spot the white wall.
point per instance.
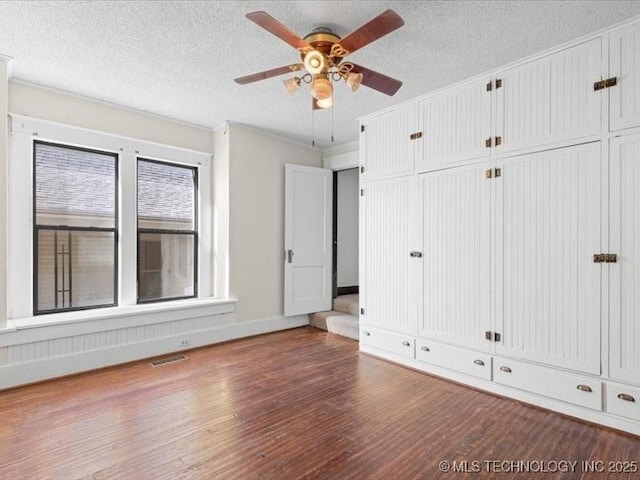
(348, 190)
(248, 222)
(55, 106)
(341, 157)
(257, 219)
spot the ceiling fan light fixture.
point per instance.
(292, 85)
(326, 103)
(314, 62)
(321, 87)
(354, 80)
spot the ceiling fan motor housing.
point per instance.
(322, 39)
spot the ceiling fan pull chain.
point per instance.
(313, 128)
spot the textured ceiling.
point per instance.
(178, 59)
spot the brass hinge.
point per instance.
(489, 86)
(493, 172)
(498, 83)
(362, 192)
(415, 136)
(361, 168)
(487, 142)
(361, 128)
(492, 336)
(362, 311)
(602, 84)
(498, 141)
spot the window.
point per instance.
(75, 228)
(167, 235)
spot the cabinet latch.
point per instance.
(605, 258)
(415, 136)
(492, 336)
(415, 254)
(602, 84)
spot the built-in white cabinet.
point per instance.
(550, 99)
(386, 143)
(388, 223)
(455, 125)
(624, 66)
(547, 229)
(455, 226)
(624, 303)
(513, 264)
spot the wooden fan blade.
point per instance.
(274, 72)
(273, 26)
(377, 80)
(386, 22)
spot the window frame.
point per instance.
(62, 228)
(194, 232)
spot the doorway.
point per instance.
(345, 231)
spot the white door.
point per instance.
(307, 240)
(548, 227)
(388, 271)
(455, 126)
(550, 100)
(386, 147)
(455, 276)
(624, 48)
(625, 273)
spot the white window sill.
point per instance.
(100, 319)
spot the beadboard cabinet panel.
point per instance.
(624, 63)
(455, 244)
(625, 274)
(385, 144)
(548, 226)
(455, 126)
(388, 293)
(550, 99)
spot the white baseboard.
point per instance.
(30, 372)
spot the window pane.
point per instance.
(75, 269)
(165, 266)
(166, 196)
(74, 187)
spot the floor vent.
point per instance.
(165, 361)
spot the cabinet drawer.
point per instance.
(453, 358)
(391, 342)
(548, 382)
(623, 401)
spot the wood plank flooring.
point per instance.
(288, 405)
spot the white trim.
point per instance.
(67, 324)
(20, 269)
(136, 111)
(268, 133)
(9, 61)
(581, 413)
(25, 373)
(85, 137)
(563, 46)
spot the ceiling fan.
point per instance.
(322, 52)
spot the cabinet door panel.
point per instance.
(625, 274)
(551, 99)
(624, 63)
(388, 292)
(385, 144)
(455, 126)
(548, 227)
(455, 268)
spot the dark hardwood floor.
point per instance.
(288, 405)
